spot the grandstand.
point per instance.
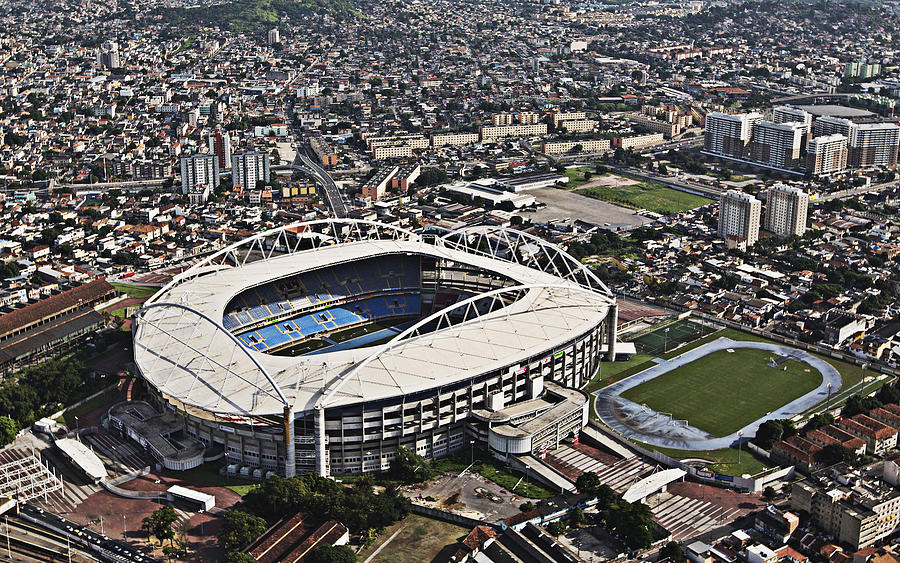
(487, 317)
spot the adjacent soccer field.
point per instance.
(724, 391)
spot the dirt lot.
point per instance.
(562, 204)
(459, 495)
(414, 539)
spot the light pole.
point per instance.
(124, 529)
(740, 438)
(666, 340)
(8, 548)
(472, 443)
(828, 400)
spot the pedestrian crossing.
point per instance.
(686, 517)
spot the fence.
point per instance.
(450, 517)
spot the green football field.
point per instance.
(666, 339)
(724, 391)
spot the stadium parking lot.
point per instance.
(457, 493)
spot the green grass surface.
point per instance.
(135, 291)
(647, 195)
(106, 398)
(670, 336)
(208, 475)
(419, 539)
(724, 391)
(610, 372)
(723, 461)
(576, 176)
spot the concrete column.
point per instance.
(321, 450)
(612, 321)
(290, 455)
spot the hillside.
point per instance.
(252, 15)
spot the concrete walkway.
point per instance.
(646, 425)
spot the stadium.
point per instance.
(325, 346)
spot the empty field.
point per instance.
(724, 391)
(419, 539)
(646, 195)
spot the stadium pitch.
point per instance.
(722, 392)
(710, 396)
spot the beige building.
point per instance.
(453, 139)
(827, 154)
(786, 208)
(567, 116)
(391, 151)
(579, 126)
(729, 135)
(587, 145)
(502, 119)
(857, 509)
(639, 141)
(668, 129)
(491, 134)
(739, 215)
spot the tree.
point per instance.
(772, 431)
(556, 529)
(8, 430)
(859, 404)
(239, 557)
(332, 554)
(526, 506)
(576, 518)
(835, 453)
(672, 551)
(769, 493)
(516, 220)
(889, 394)
(818, 421)
(410, 467)
(240, 529)
(431, 177)
(159, 523)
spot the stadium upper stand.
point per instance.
(301, 292)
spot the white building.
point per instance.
(786, 209)
(273, 37)
(777, 144)
(729, 135)
(739, 215)
(827, 154)
(249, 168)
(199, 170)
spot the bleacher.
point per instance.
(328, 320)
(393, 272)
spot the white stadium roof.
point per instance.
(182, 349)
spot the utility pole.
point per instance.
(8, 548)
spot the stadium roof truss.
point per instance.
(194, 359)
(27, 478)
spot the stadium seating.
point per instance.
(310, 324)
(395, 272)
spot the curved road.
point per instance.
(645, 425)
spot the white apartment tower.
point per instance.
(788, 114)
(739, 215)
(729, 135)
(199, 170)
(777, 144)
(249, 168)
(786, 208)
(273, 36)
(827, 154)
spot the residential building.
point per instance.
(376, 186)
(199, 169)
(579, 146)
(739, 215)
(777, 144)
(579, 126)
(491, 134)
(453, 139)
(273, 36)
(108, 55)
(729, 135)
(788, 114)
(250, 168)
(639, 141)
(786, 208)
(874, 144)
(856, 508)
(219, 144)
(827, 154)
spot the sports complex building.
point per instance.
(325, 346)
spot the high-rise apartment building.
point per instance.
(273, 36)
(874, 144)
(788, 114)
(786, 209)
(729, 135)
(219, 144)
(108, 55)
(199, 170)
(249, 168)
(777, 144)
(829, 125)
(827, 154)
(739, 215)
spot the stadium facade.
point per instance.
(325, 346)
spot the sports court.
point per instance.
(667, 338)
